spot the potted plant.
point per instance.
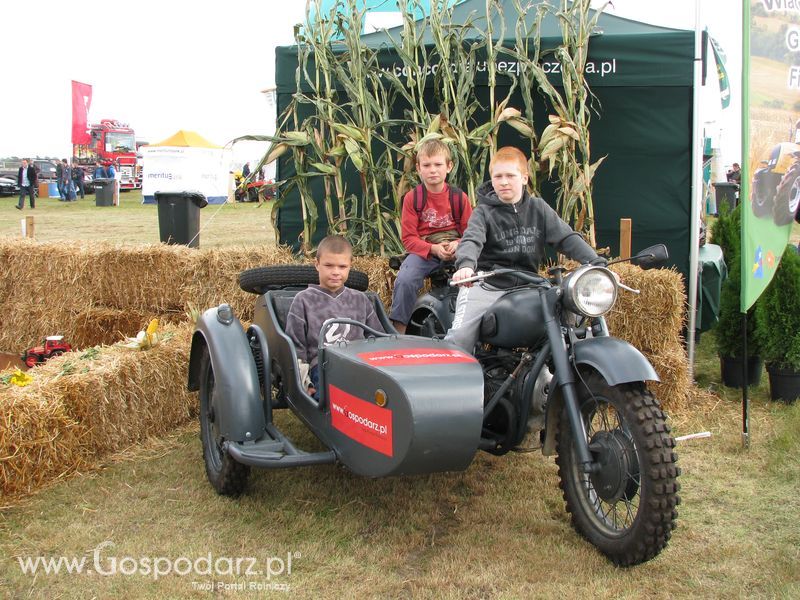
(778, 328)
(730, 346)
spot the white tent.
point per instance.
(185, 162)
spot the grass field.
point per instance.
(133, 223)
(497, 530)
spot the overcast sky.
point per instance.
(167, 65)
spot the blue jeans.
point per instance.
(313, 375)
(407, 285)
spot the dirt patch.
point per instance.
(11, 361)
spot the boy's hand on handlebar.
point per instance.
(463, 273)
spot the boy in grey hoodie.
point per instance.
(508, 229)
(330, 299)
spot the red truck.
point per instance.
(112, 142)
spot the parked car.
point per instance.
(45, 169)
(8, 186)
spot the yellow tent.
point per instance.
(186, 139)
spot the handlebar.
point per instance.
(524, 275)
(481, 275)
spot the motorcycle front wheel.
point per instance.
(627, 509)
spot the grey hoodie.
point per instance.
(514, 235)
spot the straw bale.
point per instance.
(653, 320)
(79, 408)
(676, 389)
(39, 440)
(215, 278)
(381, 277)
(148, 278)
(48, 273)
(25, 324)
(99, 325)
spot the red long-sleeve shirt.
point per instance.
(436, 216)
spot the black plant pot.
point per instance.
(783, 385)
(731, 370)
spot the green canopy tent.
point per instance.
(643, 77)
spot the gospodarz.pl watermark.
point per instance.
(208, 572)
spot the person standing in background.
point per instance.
(78, 176)
(26, 179)
(112, 174)
(66, 181)
(59, 179)
(99, 171)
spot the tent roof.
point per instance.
(184, 138)
(475, 10)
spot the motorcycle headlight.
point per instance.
(590, 291)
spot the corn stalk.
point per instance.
(374, 120)
(565, 142)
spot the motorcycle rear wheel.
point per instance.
(628, 508)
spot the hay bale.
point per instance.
(676, 389)
(149, 279)
(653, 320)
(25, 324)
(381, 277)
(39, 441)
(81, 406)
(215, 278)
(99, 325)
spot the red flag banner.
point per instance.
(81, 101)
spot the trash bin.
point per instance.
(179, 217)
(726, 193)
(103, 192)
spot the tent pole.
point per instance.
(697, 179)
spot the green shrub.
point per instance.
(728, 331)
(778, 315)
(725, 232)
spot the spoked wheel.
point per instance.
(227, 476)
(628, 508)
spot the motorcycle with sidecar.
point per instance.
(546, 374)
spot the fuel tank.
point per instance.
(514, 321)
(400, 406)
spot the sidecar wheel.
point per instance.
(262, 279)
(226, 476)
(628, 508)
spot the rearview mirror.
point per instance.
(651, 257)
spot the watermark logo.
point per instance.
(105, 562)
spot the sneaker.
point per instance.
(18, 207)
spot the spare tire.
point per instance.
(262, 279)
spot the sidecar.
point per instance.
(388, 404)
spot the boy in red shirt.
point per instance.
(434, 218)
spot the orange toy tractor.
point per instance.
(53, 346)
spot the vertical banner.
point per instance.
(81, 102)
(722, 73)
(771, 139)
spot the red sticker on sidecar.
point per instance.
(361, 421)
(415, 356)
